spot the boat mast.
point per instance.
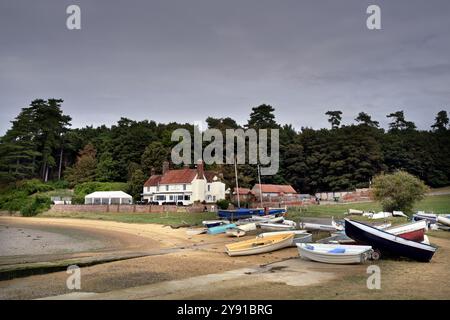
(237, 183)
(260, 186)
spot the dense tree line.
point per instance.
(40, 144)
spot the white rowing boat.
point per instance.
(300, 236)
(247, 227)
(334, 253)
(443, 220)
(235, 232)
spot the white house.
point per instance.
(184, 186)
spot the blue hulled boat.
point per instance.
(243, 213)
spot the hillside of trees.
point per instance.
(40, 144)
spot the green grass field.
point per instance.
(436, 204)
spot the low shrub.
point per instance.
(36, 205)
(223, 204)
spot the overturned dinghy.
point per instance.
(334, 253)
(383, 241)
(443, 220)
(333, 227)
(259, 245)
(221, 229)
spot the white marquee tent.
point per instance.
(108, 197)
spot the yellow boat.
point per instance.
(260, 245)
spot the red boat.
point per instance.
(411, 231)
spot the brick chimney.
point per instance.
(200, 169)
(165, 167)
(152, 171)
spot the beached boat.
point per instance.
(399, 214)
(321, 227)
(383, 241)
(214, 223)
(195, 231)
(412, 231)
(443, 220)
(334, 253)
(243, 213)
(355, 212)
(335, 238)
(270, 218)
(247, 227)
(381, 215)
(285, 225)
(430, 217)
(259, 245)
(235, 232)
(300, 236)
(221, 229)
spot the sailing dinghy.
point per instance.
(384, 241)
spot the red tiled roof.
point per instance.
(185, 175)
(275, 188)
(242, 191)
(153, 181)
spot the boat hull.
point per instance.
(279, 242)
(412, 231)
(357, 254)
(388, 242)
(243, 213)
(221, 229)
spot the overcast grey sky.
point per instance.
(184, 60)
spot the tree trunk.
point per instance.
(60, 163)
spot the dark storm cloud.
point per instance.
(186, 60)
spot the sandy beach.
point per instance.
(175, 265)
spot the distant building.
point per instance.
(269, 191)
(184, 186)
(245, 194)
(108, 197)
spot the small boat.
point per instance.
(412, 231)
(321, 227)
(286, 225)
(235, 232)
(270, 218)
(381, 215)
(443, 220)
(214, 223)
(242, 213)
(259, 245)
(334, 253)
(221, 229)
(195, 231)
(383, 241)
(355, 212)
(247, 227)
(300, 236)
(399, 214)
(430, 217)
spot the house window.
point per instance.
(184, 187)
(167, 188)
(187, 197)
(209, 187)
(171, 198)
